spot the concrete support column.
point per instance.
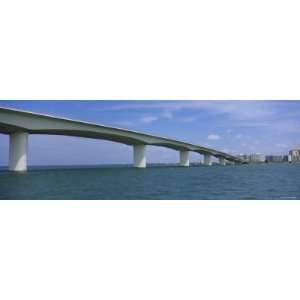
(184, 158)
(207, 159)
(222, 161)
(139, 157)
(18, 151)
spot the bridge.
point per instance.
(19, 124)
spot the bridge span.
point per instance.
(19, 124)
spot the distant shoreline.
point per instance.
(94, 166)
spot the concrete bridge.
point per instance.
(18, 124)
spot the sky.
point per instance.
(268, 127)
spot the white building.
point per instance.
(294, 155)
(257, 158)
(253, 157)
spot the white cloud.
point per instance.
(125, 123)
(167, 115)
(266, 115)
(238, 136)
(204, 144)
(249, 110)
(282, 146)
(213, 137)
(148, 119)
(187, 119)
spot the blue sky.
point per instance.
(269, 127)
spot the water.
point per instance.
(266, 181)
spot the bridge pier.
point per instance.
(207, 159)
(139, 157)
(18, 151)
(184, 158)
(222, 161)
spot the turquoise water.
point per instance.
(266, 181)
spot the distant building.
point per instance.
(294, 155)
(276, 158)
(257, 158)
(253, 158)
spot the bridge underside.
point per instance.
(93, 135)
(9, 129)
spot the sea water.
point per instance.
(257, 181)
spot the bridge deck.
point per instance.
(14, 120)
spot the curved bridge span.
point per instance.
(18, 124)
